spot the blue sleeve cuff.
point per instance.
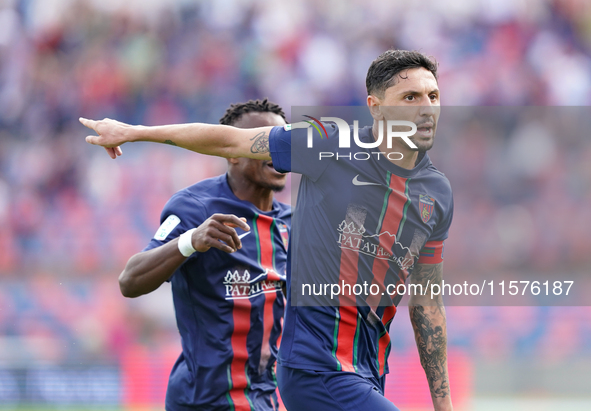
(280, 149)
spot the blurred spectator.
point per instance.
(521, 178)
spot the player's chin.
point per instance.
(423, 144)
(275, 183)
(277, 188)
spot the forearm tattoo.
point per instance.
(170, 142)
(426, 275)
(430, 329)
(261, 143)
(431, 343)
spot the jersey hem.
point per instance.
(317, 367)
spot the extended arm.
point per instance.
(146, 271)
(428, 321)
(216, 140)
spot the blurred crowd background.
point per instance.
(70, 217)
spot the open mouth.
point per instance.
(425, 131)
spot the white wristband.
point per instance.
(186, 243)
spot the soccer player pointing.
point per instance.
(378, 221)
(226, 286)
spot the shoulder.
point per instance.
(195, 197)
(437, 178)
(284, 210)
(205, 189)
(433, 185)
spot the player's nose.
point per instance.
(428, 109)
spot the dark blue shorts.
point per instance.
(306, 390)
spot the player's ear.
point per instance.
(233, 161)
(374, 105)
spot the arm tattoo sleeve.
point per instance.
(260, 144)
(430, 329)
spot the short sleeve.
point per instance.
(432, 251)
(280, 148)
(292, 152)
(181, 213)
(441, 230)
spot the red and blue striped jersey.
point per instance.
(360, 221)
(229, 307)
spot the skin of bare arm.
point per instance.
(216, 140)
(429, 324)
(146, 271)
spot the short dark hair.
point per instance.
(383, 70)
(259, 106)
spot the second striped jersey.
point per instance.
(229, 307)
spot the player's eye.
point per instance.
(410, 97)
(433, 96)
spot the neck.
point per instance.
(260, 197)
(409, 156)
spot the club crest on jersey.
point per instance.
(426, 205)
(284, 233)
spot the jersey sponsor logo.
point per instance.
(166, 227)
(355, 238)
(356, 182)
(426, 205)
(239, 285)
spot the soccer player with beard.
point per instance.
(378, 221)
(227, 287)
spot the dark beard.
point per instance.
(275, 188)
(422, 147)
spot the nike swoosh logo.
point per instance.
(356, 182)
(244, 235)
